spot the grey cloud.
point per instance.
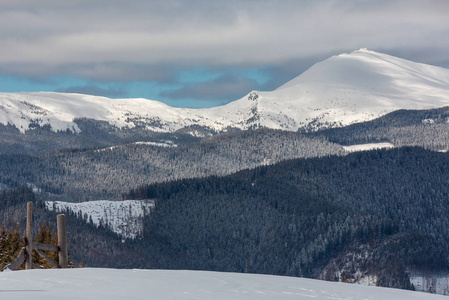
(287, 70)
(427, 55)
(101, 71)
(126, 72)
(225, 88)
(94, 90)
(151, 40)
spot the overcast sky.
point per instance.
(202, 53)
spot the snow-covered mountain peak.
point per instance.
(343, 89)
(360, 86)
(363, 66)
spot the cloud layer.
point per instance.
(126, 41)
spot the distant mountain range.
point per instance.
(338, 91)
(264, 184)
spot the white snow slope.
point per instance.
(123, 217)
(341, 90)
(367, 147)
(112, 284)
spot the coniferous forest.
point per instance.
(259, 201)
(299, 217)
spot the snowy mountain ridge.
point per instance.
(338, 91)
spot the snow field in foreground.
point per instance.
(164, 284)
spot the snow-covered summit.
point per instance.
(364, 68)
(338, 91)
(361, 86)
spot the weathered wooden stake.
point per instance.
(29, 237)
(62, 242)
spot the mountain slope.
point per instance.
(122, 217)
(107, 173)
(341, 90)
(422, 128)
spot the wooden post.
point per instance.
(29, 237)
(62, 241)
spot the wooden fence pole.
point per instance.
(29, 236)
(62, 241)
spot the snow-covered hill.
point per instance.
(110, 284)
(123, 217)
(341, 90)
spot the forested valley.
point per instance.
(106, 173)
(299, 217)
(103, 162)
(260, 201)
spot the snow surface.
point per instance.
(114, 284)
(123, 217)
(338, 91)
(366, 147)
